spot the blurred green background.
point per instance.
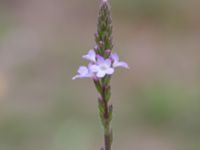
(156, 102)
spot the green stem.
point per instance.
(107, 116)
(107, 134)
(105, 110)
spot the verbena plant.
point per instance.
(102, 64)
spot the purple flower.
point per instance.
(117, 63)
(90, 56)
(83, 72)
(99, 66)
(102, 67)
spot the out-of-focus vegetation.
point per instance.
(156, 103)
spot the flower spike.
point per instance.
(101, 66)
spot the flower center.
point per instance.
(103, 67)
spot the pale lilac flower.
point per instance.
(102, 67)
(91, 56)
(83, 72)
(117, 63)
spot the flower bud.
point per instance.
(107, 53)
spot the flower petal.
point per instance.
(110, 71)
(93, 68)
(108, 62)
(100, 74)
(121, 64)
(91, 56)
(83, 70)
(115, 57)
(100, 59)
(75, 77)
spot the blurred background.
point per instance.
(156, 102)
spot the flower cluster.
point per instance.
(99, 66)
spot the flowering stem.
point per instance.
(102, 63)
(105, 110)
(107, 119)
(103, 39)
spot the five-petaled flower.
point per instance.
(91, 56)
(102, 67)
(83, 72)
(98, 66)
(117, 63)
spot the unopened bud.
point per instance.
(107, 52)
(101, 44)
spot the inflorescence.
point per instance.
(99, 66)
